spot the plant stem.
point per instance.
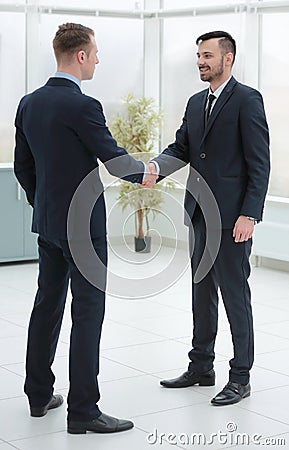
(147, 220)
(140, 223)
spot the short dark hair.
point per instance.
(70, 38)
(226, 41)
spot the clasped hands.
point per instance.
(150, 177)
(243, 229)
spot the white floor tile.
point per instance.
(132, 439)
(207, 420)
(150, 358)
(14, 301)
(280, 329)
(282, 303)
(6, 446)
(270, 403)
(173, 326)
(16, 422)
(126, 311)
(145, 267)
(277, 361)
(13, 349)
(115, 335)
(143, 395)
(11, 385)
(19, 278)
(180, 301)
(17, 369)
(188, 341)
(59, 367)
(263, 379)
(268, 314)
(269, 285)
(21, 320)
(264, 343)
(109, 371)
(8, 329)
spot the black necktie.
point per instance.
(209, 107)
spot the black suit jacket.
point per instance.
(60, 134)
(231, 154)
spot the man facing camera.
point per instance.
(60, 134)
(224, 137)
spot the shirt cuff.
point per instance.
(144, 171)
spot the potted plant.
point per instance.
(137, 130)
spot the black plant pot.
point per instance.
(142, 245)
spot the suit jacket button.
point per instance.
(203, 155)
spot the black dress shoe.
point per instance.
(190, 378)
(232, 393)
(40, 411)
(103, 424)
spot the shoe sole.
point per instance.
(76, 431)
(202, 383)
(84, 430)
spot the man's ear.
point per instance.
(229, 58)
(80, 56)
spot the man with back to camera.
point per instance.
(224, 137)
(60, 133)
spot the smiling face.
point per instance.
(213, 63)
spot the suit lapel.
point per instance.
(200, 112)
(222, 100)
(203, 107)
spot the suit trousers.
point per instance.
(56, 269)
(229, 273)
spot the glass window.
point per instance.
(129, 5)
(12, 2)
(12, 77)
(120, 45)
(182, 4)
(275, 90)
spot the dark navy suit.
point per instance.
(232, 156)
(60, 135)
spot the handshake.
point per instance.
(150, 176)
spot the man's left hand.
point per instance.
(243, 229)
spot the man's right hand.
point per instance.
(151, 176)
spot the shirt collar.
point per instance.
(218, 91)
(68, 76)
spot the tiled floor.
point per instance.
(143, 341)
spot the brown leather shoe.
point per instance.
(103, 424)
(40, 411)
(190, 378)
(232, 393)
